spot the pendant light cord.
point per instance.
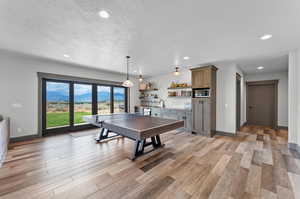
(127, 67)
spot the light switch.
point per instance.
(226, 105)
(17, 105)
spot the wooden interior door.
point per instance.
(261, 107)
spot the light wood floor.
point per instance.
(254, 164)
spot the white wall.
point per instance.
(19, 85)
(243, 95)
(226, 94)
(226, 97)
(164, 81)
(282, 92)
(294, 97)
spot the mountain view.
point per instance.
(58, 96)
(58, 109)
(58, 92)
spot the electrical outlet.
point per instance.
(19, 130)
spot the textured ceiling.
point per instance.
(271, 64)
(155, 33)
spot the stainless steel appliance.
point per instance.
(202, 92)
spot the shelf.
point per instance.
(179, 88)
(149, 98)
(149, 90)
(181, 96)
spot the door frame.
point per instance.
(238, 105)
(261, 83)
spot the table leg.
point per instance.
(140, 145)
(158, 141)
(104, 135)
(136, 149)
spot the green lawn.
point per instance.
(62, 118)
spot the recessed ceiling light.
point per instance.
(260, 67)
(66, 56)
(104, 14)
(186, 58)
(266, 37)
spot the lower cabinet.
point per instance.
(176, 114)
(201, 116)
(188, 123)
(155, 112)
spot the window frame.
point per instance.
(43, 131)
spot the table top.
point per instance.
(131, 124)
(131, 121)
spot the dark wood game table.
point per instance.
(137, 127)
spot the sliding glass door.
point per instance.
(66, 102)
(57, 104)
(82, 102)
(119, 100)
(104, 100)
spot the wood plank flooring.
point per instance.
(254, 164)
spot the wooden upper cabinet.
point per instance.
(197, 79)
(202, 77)
(206, 83)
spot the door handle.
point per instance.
(250, 107)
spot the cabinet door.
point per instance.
(197, 78)
(206, 117)
(169, 114)
(206, 75)
(182, 116)
(201, 78)
(155, 112)
(189, 121)
(197, 116)
(194, 79)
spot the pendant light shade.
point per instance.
(127, 83)
(176, 72)
(140, 78)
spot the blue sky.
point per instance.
(61, 87)
(80, 89)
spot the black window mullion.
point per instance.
(127, 100)
(71, 126)
(112, 99)
(44, 106)
(94, 99)
(71, 101)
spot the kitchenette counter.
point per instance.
(170, 113)
(165, 108)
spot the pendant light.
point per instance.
(140, 78)
(127, 83)
(176, 72)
